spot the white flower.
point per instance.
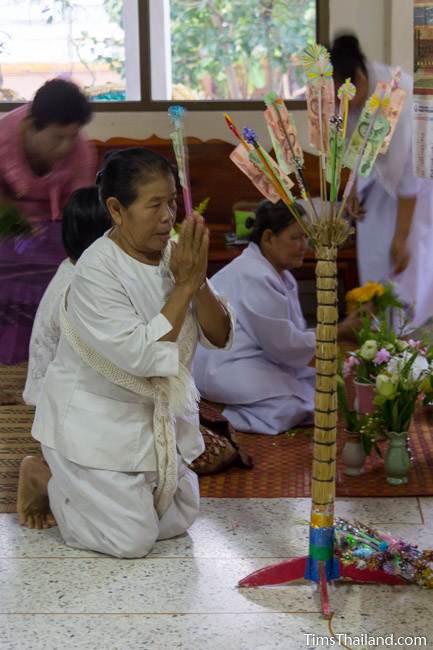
(419, 368)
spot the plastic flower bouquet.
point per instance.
(377, 338)
(378, 341)
(406, 378)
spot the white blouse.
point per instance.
(46, 332)
(115, 305)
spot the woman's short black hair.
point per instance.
(85, 219)
(59, 102)
(271, 216)
(125, 169)
(347, 58)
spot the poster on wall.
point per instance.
(423, 89)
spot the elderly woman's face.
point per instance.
(287, 249)
(146, 223)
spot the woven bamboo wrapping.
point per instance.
(325, 417)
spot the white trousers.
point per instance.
(114, 512)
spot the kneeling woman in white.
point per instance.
(117, 416)
(264, 380)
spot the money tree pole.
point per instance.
(327, 229)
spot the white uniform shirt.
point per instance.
(115, 305)
(46, 332)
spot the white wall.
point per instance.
(384, 28)
(401, 49)
(367, 19)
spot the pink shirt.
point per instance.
(41, 198)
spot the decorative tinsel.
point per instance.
(367, 548)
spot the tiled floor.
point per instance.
(184, 595)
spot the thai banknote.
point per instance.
(367, 139)
(392, 110)
(250, 165)
(284, 137)
(320, 107)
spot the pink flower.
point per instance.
(382, 356)
(349, 364)
(414, 344)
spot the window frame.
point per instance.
(147, 104)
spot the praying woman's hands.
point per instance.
(189, 259)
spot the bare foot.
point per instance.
(32, 498)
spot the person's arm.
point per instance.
(399, 252)
(407, 191)
(354, 207)
(264, 313)
(215, 321)
(347, 328)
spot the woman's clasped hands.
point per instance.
(190, 256)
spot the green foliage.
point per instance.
(114, 9)
(12, 221)
(237, 43)
(202, 206)
(372, 429)
(398, 412)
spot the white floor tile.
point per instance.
(229, 528)
(142, 586)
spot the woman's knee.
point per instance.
(184, 508)
(135, 541)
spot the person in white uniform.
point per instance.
(84, 220)
(117, 417)
(393, 209)
(265, 380)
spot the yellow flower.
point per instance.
(366, 293)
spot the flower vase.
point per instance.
(397, 459)
(353, 455)
(364, 396)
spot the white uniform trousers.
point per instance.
(114, 512)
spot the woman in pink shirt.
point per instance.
(43, 159)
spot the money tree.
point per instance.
(327, 229)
